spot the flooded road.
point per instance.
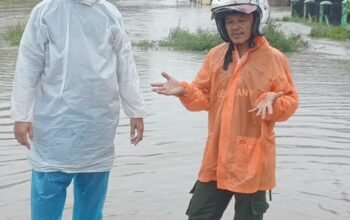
(151, 181)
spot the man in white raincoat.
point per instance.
(74, 70)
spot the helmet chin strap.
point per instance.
(228, 55)
(252, 41)
(255, 30)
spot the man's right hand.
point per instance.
(23, 133)
(170, 87)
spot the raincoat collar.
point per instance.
(259, 41)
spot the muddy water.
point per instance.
(151, 181)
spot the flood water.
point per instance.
(151, 181)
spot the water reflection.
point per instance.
(151, 181)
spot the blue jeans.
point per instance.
(49, 194)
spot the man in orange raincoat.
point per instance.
(246, 87)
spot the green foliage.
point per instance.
(332, 32)
(322, 30)
(181, 39)
(14, 33)
(6, 2)
(203, 40)
(145, 44)
(296, 20)
(280, 41)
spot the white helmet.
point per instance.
(221, 8)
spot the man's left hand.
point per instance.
(136, 130)
(265, 105)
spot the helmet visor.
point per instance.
(244, 8)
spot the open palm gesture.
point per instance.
(170, 87)
(265, 106)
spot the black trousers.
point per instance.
(209, 203)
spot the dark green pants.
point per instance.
(209, 203)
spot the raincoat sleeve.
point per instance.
(197, 93)
(29, 66)
(285, 105)
(128, 79)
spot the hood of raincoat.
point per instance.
(87, 2)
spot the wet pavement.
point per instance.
(151, 181)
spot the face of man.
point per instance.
(239, 27)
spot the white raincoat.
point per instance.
(74, 68)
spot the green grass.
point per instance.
(322, 30)
(6, 1)
(297, 20)
(16, 1)
(14, 33)
(203, 40)
(332, 32)
(280, 41)
(182, 39)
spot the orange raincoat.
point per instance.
(240, 150)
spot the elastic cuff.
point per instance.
(185, 86)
